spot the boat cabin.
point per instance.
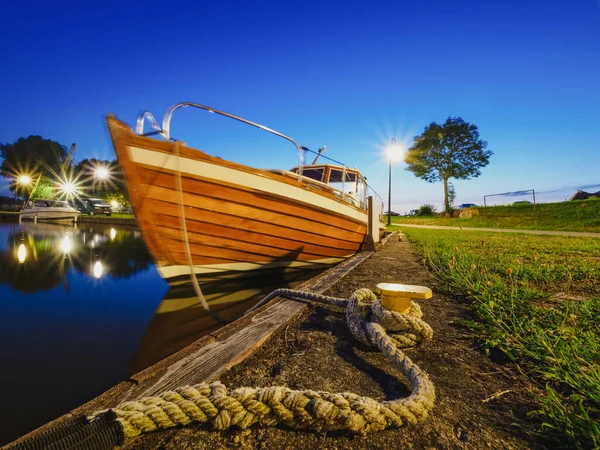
(347, 183)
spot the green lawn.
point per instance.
(581, 215)
(535, 301)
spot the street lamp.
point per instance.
(24, 180)
(391, 153)
(100, 173)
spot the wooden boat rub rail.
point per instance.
(210, 187)
(124, 134)
(206, 359)
(205, 166)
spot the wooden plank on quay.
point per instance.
(238, 340)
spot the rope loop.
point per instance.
(368, 321)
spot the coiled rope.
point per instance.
(212, 403)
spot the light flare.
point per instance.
(22, 253)
(24, 179)
(101, 172)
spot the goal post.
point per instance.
(486, 198)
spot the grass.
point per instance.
(583, 215)
(535, 301)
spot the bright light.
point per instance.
(396, 151)
(98, 269)
(24, 179)
(113, 234)
(68, 188)
(22, 253)
(66, 244)
(114, 204)
(101, 172)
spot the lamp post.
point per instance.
(23, 180)
(390, 183)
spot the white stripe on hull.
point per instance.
(240, 178)
(175, 271)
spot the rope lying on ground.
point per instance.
(246, 406)
(243, 407)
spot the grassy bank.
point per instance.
(536, 301)
(581, 215)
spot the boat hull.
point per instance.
(50, 216)
(237, 218)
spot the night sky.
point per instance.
(349, 75)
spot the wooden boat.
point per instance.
(49, 210)
(203, 214)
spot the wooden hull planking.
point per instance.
(237, 217)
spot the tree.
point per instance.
(32, 156)
(451, 150)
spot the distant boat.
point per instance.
(237, 218)
(49, 210)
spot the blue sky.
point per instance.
(349, 75)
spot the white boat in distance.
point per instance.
(49, 210)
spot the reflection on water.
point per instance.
(83, 307)
(39, 256)
(180, 320)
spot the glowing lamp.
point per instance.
(101, 172)
(24, 179)
(68, 188)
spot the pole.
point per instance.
(390, 195)
(392, 148)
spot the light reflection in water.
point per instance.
(98, 269)
(113, 234)
(66, 244)
(22, 253)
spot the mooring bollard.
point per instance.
(397, 297)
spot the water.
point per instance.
(82, 308)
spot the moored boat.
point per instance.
(48, 210)
(203, 214)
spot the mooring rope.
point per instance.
(212, 403)
(184, 232)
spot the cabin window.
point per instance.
(344, 182)
(40, 204)
(315, 174)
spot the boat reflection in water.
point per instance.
(43, 253)
(180, 319)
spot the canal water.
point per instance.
(83, 307)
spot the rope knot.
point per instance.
(407, 330)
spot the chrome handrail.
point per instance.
(139, 126)
(166, 125)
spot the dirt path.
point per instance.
(501, 230)
(316, 351)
